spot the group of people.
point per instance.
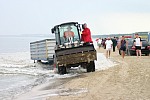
(101, 42)
(121, 43)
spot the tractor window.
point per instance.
(68, 34)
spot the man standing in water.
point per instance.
(108, 47)
(138, 45)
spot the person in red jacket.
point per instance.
(86, 34)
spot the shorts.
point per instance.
(123, 48)
(108, 49)
(137, 47)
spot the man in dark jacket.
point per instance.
(114, 43)
(86, 34)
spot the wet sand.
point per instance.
(129, 80)
(52, 87)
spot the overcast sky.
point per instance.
(102, 16)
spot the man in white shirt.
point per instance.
(138, 45)
(108, 47)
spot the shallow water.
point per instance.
(13, 84)
(15, 81)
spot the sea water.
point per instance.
(18, 74)
(14, 84)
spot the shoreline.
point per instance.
(43, 90)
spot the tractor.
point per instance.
(70, 51)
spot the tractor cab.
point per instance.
(67, 34)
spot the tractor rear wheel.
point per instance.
(91, 67)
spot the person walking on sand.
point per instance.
(138, 45)
(123, 46)
(108, 47)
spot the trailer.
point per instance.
(42, 50)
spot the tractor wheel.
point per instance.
(88, 68)
(91, 67)
(62, 70)
(92, 64)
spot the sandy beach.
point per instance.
(129, 80)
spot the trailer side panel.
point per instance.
(42, 50)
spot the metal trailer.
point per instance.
(42, 50)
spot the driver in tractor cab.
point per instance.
(69, 35)
(86, 34)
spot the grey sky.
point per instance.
(102, 16)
